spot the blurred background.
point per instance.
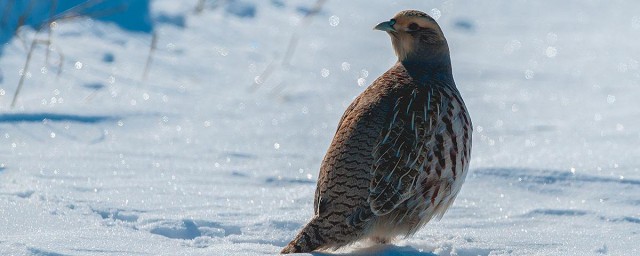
(198, 127)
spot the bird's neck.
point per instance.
(433, 66)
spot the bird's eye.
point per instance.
(413, 27)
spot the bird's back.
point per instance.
(345, 173)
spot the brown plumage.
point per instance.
(402, 148)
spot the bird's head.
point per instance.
(415, 36)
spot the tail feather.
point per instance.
(308, 240)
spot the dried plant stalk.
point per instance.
(291, 46)
(24, 70)
(152, 50)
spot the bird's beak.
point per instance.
(385, 26)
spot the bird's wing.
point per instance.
(404, 148)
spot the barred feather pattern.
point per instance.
(398, 159)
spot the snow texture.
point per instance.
(210, 155)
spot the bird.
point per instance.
(401, 151)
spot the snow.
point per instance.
(208, 157)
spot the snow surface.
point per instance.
(208, 157)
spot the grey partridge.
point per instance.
(402, 148)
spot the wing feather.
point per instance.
(400, 156)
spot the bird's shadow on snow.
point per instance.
(381, 250)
